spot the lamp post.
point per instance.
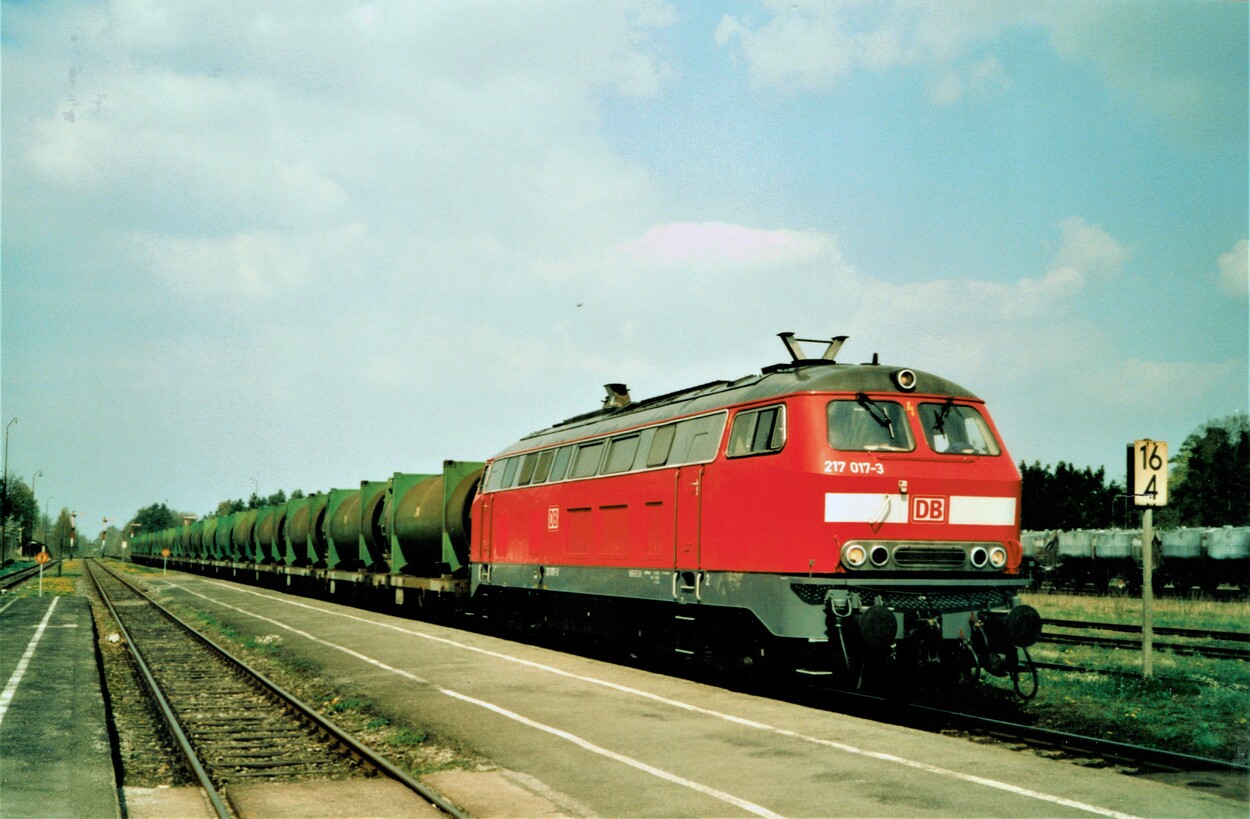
(34, 531)
(4, 505)
(46, 520)
(73, 532)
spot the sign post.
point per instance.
(1148, 485)
(164, 561)
(41, 559)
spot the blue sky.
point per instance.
(309, 244)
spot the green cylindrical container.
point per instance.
(343, 530)
(243, 539)
(297, 521)
(428, 519)
(279, 533)
(263, 534)
(209, 538)
(318, 545)
(224, 538)
(374, 547)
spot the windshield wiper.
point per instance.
(939, 422)
(876, 412)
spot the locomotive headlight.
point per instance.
(905, 380)
(998, 557)
(854, 555)
(977, 557)
(879, 555)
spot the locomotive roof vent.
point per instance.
(797, 356)
(617, 397)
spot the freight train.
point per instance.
(859, 520)
(1184, 559)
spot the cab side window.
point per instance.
(758, 432)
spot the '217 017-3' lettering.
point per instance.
(853, 468)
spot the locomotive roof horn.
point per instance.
(796, 350)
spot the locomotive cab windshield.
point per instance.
(957, 429)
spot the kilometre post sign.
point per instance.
(1148, 472)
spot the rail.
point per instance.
(351, 747)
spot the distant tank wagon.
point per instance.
(830, 518)
(1184, 559)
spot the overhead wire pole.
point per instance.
(4, 505)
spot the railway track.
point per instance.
(1135, 758)
(1215, 652)
(1139, 758)
(12, 579)
(232, 724)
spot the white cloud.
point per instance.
(1234, 268)
(814, 46)
(219, 142)
(253, 266)
(1089, 250)
(980, 78)
(1183, 62)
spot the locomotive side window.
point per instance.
(509, 471)
(527, 469)
(957, 430)
(494, 474)
(867, 425)
(757, 432)
(693, 440)
(696, 439)
(587, 461)
(560, 463)
(661, 445)
(621, 454)
(544, 465)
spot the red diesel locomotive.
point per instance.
(859, 520)
(825, 517)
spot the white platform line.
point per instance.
(15, 679)
(850, 749)
(585, 744)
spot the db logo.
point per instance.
(929, 509)
(553, 517)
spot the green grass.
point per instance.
(1172, 612)
(1191, 705)
(53, 584)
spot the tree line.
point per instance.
(24, 522)
(1208, 486)
(159, 516)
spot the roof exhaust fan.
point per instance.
(617, 396)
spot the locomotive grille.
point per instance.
(929, 557)
(937, 601)
(945, 601)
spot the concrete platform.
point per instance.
(592, 738)
(55, 755)
(167, 803)
(378, 798)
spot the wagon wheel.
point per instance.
(1031, 671)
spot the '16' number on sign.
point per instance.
(1148, 472)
